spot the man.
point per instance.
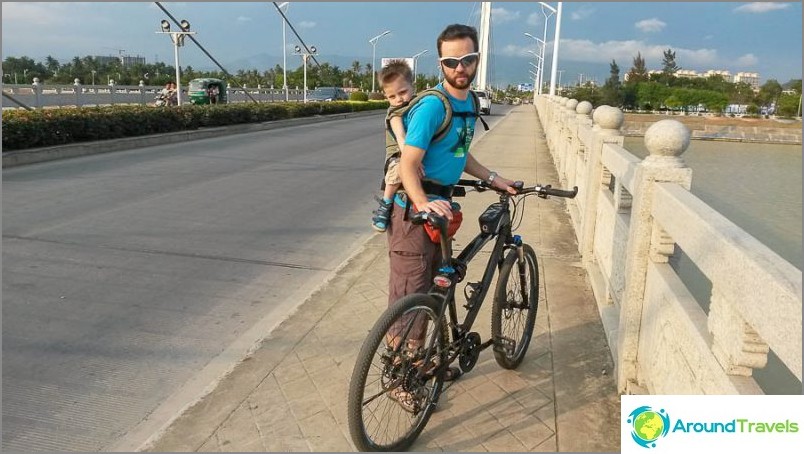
(414, 258)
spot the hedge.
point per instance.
(47, 127)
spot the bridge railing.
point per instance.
(38, 95)
(630, 217)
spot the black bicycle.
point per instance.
(409, 352)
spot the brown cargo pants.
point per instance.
(414, 261)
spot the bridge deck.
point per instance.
(291, 395)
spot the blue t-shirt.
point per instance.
(445, 159)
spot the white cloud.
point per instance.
(535, 19)
(582, 13)
(243, 19)
(502, 15)
(621, 51)
(747, 60)
(306, 24)
(650, 25)
(761, 7)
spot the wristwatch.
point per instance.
(491, 177)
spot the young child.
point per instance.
(396, 82)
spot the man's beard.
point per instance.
(452, 80)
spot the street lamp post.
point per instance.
(373, 42)
(93, 76)
(178, 41)
(539, 59)
(305, 56)
(285, 5)
(539, 63)
(415, 58)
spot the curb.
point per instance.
(44, 154)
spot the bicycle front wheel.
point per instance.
(394, 385)
(516, 301)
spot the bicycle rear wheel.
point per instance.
(393, 390)
(516, 301)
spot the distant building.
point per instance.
(125, 60)
(128, 60)
(726, 75)
(751, 79)
(687, 73)
(525, 87)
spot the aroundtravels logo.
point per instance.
(732, 423)
(648, 425)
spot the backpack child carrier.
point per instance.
(392, 150)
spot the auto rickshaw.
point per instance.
(207, 91)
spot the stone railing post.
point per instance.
(111, 91)
(571, 144)
(607, 124)
(78, 89)
(143, 101)
(37, 90)
(666, 140)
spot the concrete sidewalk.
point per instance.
(290, 395)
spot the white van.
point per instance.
(485, 102)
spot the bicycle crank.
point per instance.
(470, 352)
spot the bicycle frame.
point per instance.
(446, 295)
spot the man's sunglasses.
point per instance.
(467, 60)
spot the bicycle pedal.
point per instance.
(504, 345)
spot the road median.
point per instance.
(35, 155)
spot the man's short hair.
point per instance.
(394, 69)
(457, 31)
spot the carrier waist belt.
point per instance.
(433, 188)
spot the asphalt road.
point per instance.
(132, 280)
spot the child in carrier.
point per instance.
(396, 82)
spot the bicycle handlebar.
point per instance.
(542, 191)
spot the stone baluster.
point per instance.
(111, 91)
(735, 344)
(143, 101)
(78, 89)
(666, 140)
(607, 124)
(571, 145)
(37, 90)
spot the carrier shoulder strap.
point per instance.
(442, 130)
(476, 113)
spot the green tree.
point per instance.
(611, 93)
(669, 66)
(638, 72)
(769, 92)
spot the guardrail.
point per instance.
(630, 217)
(38, 95)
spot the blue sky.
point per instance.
(757, 37)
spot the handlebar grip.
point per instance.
(561, 192)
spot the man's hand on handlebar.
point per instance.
(507, 185)
(439, 207)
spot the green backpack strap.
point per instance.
(442, 130)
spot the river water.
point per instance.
(758, 187)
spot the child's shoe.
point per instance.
(382, 216)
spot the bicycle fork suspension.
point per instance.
(521, 267)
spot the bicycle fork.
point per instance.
(521, 268)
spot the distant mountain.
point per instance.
(505, 70)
